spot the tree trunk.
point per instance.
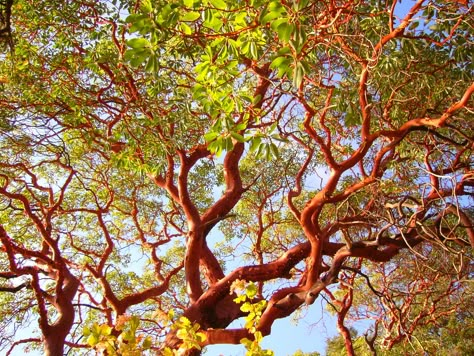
(347, 340)
(192, 352)
(54, 345)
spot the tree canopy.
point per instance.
(169, 167)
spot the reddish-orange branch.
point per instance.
(434, 122)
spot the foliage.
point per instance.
(453, 336)
(127, 343)
(301, 353)
(253, 310)
(335, 345)
(155, 153)
(189, 334)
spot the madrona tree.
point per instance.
(169, 167)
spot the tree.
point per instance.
(168, 167)
(450, 337)
(301, 353)
(425, 313)
(336, 345)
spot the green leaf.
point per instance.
(228, 145)
(200, 337)
(190, 16)
(257, 99)
(211, 136)
(240, 299)
(253, 50)
(220, 4)
(277, 23)
(92, 340)
(255, 143)
(298, 74)
(105, 329)
(137, 57)
(215, 23)
(246, 342)
(258, 336)
(274, 150)
(168, 352)
(284, 50)
(146, 6)
(241, 18)
(202, 69)
(279, 62)
(185, 28)
(299, 39)
(237, 137)
(414, 25)
(260, 148)
(251, 290)
(271, 16)
(285, 31)
(246, 307)
(182, 334)
(137, 43)
(146, 343)
(241, 126)
(275, 5)
(184, 321)
(134, 323)
(152, 64)
(228, 105)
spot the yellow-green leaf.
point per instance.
(92, 340)
(185, 28)
(190, 16)
(220, 4)
(182, 334)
